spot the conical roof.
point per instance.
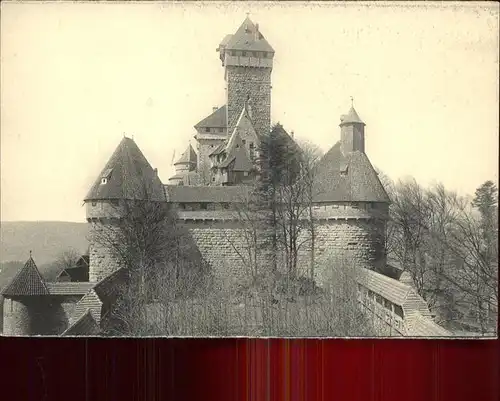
(347, 178)
(350, 118)
(188, 157)
(127, 175)
(27, 282)
(248, 37)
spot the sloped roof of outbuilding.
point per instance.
(27, 282)
(347, 178)
(218, 119)
(128, 176)
(390, 289)
(85, 325)
(248, 37)
(110, 287)
(69, 287)
(422, 326)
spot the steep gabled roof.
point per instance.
(351, 117)
(188, 157)
(218, 119)
(244, 125)
(248, 37)
(27, 282)
(127, 175)
(237, 153)
(85, 325)
(347, 178)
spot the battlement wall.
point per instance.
(352, 230)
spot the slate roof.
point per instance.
(347, 178)
(247, 37)
(421, 326)
(206, 194)
(237, 153)
(390, 289)
(188, 157)
(351, 117)
(218, 119)
(129, 176)
(86, 325)
(219, 149)
(27, 282)
(90, 301)
(394, 291)
(108, 289)
(69, 288)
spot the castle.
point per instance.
(350, 205)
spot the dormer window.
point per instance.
(343, 168)
(106, 176)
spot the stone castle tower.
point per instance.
(127, 176)
(247, 59)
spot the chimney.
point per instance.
(214, 109)
(257, 33)
(156, 171)
(292, 134)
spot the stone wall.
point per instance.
(225, 245)
(255, 82)
(103, 260)
(205, 147)
(16, 318)
(359, 241)
(34, 316)
(350, 232)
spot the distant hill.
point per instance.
(46, 239)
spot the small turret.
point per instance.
(25, 303)
(352, 132)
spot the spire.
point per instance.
(352, 131)
(188, 157)
(27, 282)
(351, 117)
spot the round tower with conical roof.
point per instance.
(127, 176)
(26, 303)
(350, 202)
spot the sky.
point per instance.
(76, 77)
